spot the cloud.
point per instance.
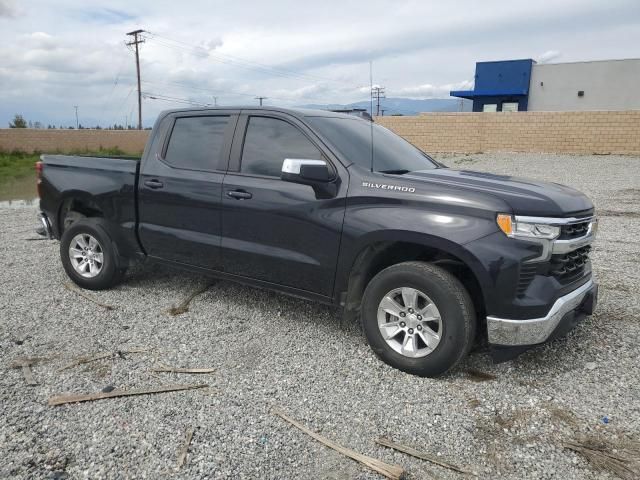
(548, 56)
(432, 91)
(70, 52)
(7, 9)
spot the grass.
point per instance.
(15, 165)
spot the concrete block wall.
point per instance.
(57, 140)
(599, 132)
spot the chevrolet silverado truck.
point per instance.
(335, 209)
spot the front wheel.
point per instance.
(418, 318)
(89, 256)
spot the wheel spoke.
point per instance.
(429, 337)
(430, 312)
(98, 257)
(92, 243)
(93, 268)
(75, 252)
(82, 264)
(390, 330)
(409, 346)
(390, 306)
(410, 297)
(81, 242)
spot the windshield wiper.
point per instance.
(395, 172)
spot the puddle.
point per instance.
(19, 192)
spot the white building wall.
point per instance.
(607, 85)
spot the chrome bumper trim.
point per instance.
(44, 220)
(504, 331)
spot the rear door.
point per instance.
(277, 231)
(180, 188)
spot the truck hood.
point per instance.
(525, 196)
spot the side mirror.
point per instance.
(315, 173)
(305, 171)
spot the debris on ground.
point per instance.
(73, 288)
(421, 455)
(394, 472)
(479, 375)
(184, 450)
(101, 356)
(619, 458)
(25, 364)
(161, 368)
(183, 307)
(62, 399)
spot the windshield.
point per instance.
(391, 153)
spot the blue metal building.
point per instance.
(500, 86)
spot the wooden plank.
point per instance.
(421, 455)
(62, 399)
(394, 472)
(165, 368)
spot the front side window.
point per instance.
(269, 141)
(196, 143)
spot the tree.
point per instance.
(18, 122)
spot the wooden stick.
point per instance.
(184, 450)
(424, 456)
(25, 363)
(183, 307)
(165, 368)
(71, 288)
(99, 356)
(62, 399)
(394, 472)
(478, 375)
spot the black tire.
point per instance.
(458, 319)
(110, 273)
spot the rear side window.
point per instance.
(269, 141)
(196, 142)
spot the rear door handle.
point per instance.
(239, 194)
(154, 183)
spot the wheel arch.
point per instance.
(384, 251)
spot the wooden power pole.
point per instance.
(136, 41)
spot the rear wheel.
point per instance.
(89, 256)
(418, 318)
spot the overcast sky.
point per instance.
(57, 54)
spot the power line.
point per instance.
(234, 60)
(169, 98)
(136, 41)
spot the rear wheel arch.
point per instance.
(76, 206)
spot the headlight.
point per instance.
(519, 229)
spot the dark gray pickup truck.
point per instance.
(333, 208)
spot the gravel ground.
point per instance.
(271, 350)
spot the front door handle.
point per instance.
(154, 183)
(239, 194)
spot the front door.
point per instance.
(274, 230)
(180, 190)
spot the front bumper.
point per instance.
(504, 332)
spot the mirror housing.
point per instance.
(315, 173)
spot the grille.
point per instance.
(574, 230)
(571, 265)
(527, 272)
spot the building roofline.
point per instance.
(589, 61)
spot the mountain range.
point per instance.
(404, 106)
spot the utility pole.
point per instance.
(377, 93)
(136, 41)
(77, 123)
(215, 101)
(261, 99)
